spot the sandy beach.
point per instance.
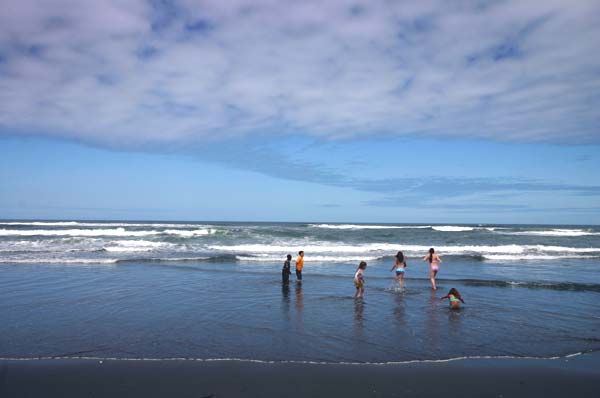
(574, 377)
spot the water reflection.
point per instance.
(285, 301)
(432, 319)
(285, 293)
(399, 309)
(299, 299)
(455, 321)
(359, 306)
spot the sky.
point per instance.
(336, 111)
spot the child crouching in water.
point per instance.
(359, 280)
(455, 299)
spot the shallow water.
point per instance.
(226, 299)
(150, 310)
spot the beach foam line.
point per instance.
(266, 361)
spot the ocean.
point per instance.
(212, 290)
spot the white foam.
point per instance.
(102, 224)
(308, 259)
(553, 232)
(378, 250)
(102, 232)
(302, 362)
(494, 229)
(196, 232)
(357, 226)
(55, 260)
(508, 257)
(563, 249)
(136, 246)
(77, 232)
(140, 243)
(364, 248)
(451, 228)
(43, 223)
(165, 259)
(314, 248)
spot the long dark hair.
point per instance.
(455, 293)
(362, 265)
(431, 251)
(400, 257)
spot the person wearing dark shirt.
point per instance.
(286, 270)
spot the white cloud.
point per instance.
(136, 73)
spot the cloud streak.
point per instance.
(146, 74)
(435, 191)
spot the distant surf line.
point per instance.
(120, 231)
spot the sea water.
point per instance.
(213, 291)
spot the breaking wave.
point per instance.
(377, 250)
(359, 226)
(104, 232)
(553, 232)
(449, 228)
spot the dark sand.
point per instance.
(570, 377)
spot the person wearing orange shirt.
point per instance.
(299, 265)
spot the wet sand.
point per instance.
(574, 377)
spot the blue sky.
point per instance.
(468, 111)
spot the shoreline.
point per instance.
(74, 357)
(74, 377)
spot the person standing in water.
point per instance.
(299, 266)
(400, 267)
(434, 266)
(359, 280)
(286, 270)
